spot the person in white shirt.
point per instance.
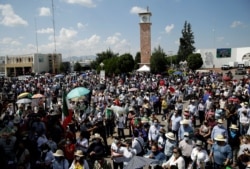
(176, 160)
(153, 132)
(117, 154)
(199, 156)
(138, 143)
(128, 153)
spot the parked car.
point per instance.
(225, 67)
(240, 71)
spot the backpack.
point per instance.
(143, 149)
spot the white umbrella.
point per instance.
(24, 101)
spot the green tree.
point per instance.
(125, 62)
(77, 67)
(62, 68)
(194, 61)
(111, 66)
(186, 43)
(137, 60)
(101, 57)
(158, 61)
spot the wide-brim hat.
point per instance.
(79, 153)
(97, 136)
(234, 126)
(220, 121)
(58, 153)
(131, 109)
(184, 121)
(170, 135)
(219, 137)
(198, 143)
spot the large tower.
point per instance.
(145, 37)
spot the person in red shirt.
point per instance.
(69, 149)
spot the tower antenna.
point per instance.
(53, 20)
(36, 36)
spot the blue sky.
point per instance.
(87, 27)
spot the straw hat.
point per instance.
(186, 110)
(186, 134)
(220, 121)
(58, 153)
(219, 137)
(97, 136)
(185, 121)
(170, 135)
(79, 153)
(198, 143)
(131, 109)
(234, 126)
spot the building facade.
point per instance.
(215, 58)
(145, 37)
(17, 65)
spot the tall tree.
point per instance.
(101, 57)
(137, 60)
(158, 60)
(186, 42)
(194, 61)
(77, 67)
(125, 62)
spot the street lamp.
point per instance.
(102, 64)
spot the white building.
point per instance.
(16, 65)
(215, 58)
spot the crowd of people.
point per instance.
(189, 120)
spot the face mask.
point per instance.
(175, 155)
(95, 141)
(155, 124)
(219, 125)
(45, 151)
(67, 142)
(78, 158)
(160, 134)
(155, 152)
(186, 138)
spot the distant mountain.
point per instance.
(78, 58)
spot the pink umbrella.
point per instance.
(37, 96)
(133, 89)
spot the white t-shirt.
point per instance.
(180, 163)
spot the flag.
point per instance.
(67, 113)
(65, 105)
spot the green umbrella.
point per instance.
(77, 92)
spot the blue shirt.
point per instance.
(175, 122)
(219, 130)
(221, 153)
(187, 129)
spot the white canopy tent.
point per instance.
(144, 68)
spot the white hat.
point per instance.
(234, 126)
(97, 136)
(198, 143)
(170, 135)
(79, 153)
(186, 134)
(58, 153)
(184, 121)
(220, 121)
(219, 137)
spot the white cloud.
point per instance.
(66, 34)
(169, 28)
(43, 11)
(136, 10)
(9, 41)
(112, 40)
(86, 3)
(236, 24)
(45, 31)
(9, 18)
(81, 26)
